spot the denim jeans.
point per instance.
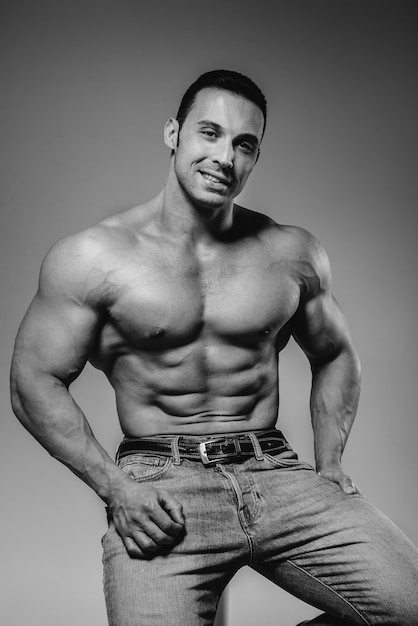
(274, 513)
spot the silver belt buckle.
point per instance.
(226, 440)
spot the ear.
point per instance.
(171, 133)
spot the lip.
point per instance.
(216, 178)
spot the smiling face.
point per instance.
(217, 147)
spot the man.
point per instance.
(184, 303)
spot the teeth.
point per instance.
(212, 178)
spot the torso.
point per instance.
(190, 335)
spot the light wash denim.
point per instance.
(335, 551)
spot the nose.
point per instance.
(224, 155)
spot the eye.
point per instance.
(208, 132)
(247, 147)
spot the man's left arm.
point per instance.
(321, 330)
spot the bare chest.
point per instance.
(162, 302)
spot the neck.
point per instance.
(180, 214)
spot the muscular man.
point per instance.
(185, 303)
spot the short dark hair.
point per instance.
(228, 81)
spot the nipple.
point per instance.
(157, 332)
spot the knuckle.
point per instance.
(170, 527)
(132, 548)
(134, 551)
(145, 543)
(149, 549)
(148, 506)
(166, 540)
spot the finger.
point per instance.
(144, 542)
(154, 515)
(132, 548)
(344, 482)
(358, 491)
(140, 545)
(151, 536)
(173, 508)
(347, 485)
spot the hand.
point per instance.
(147, 519)
(336, 475)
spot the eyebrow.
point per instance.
(246, 136)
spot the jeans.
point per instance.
(274, 513)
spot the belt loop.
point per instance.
(257, 448)
(175, 450)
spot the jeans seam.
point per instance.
(157, 474)
(237, 494)
(294, 463)
(330, 589)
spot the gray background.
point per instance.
(86, 90)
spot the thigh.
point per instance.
(182, 585)
(340, 554)
(162, 591)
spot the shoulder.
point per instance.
(293, 240)
(304, 245)
(87, 258)
(79, 251)
(300, 251)
(309, 260)
(79, 263)
(74, 254)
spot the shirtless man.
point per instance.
(184, 303)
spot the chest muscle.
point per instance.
(159, 306)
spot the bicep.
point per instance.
(61, 323)
(55, 336)
(320, 327)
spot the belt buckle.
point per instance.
(226, 440)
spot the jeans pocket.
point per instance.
(288, 463)
(142, 467)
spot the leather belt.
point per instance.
(213, 450)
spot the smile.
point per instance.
(215, 179)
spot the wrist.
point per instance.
(327, 463)
(113, 483)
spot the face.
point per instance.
(217, 147)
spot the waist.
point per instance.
(208, 450)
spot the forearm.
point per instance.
(47, 410)
(334, 400)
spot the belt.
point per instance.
(213, 450)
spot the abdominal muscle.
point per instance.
(196, 391)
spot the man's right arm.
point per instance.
(51, 350)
